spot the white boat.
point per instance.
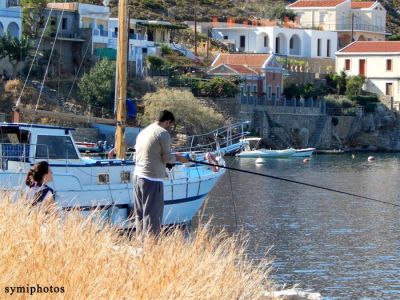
(88, 184)
(252, 150)
(266, 153)
(306, 152)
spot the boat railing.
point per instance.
(20, 153)
(219, 138)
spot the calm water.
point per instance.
(340, 246)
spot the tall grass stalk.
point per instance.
(93, 261)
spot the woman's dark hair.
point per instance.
(166, 115)
(36, 173)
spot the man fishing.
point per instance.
(153, 152)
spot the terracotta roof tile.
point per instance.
(245, 59)
(316, 3)
(362, 4)
(372, 47)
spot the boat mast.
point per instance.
(122, 68)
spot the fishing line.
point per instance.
(296, 182)
(233, 198)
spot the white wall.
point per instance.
(255, 40)
(376, 72)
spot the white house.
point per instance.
(10, 18)
(279, 40)
(352, 20)
(379, 62)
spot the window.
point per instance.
(269, 92)
(319, 47)
(388, 65)
(64, 24)
(277, 48)
(248, 89)
(55, 147)
(278, 92)
(328, 48)
(265, 41)
(255, 89)
(361, 67)
(242, 41)
(273, 76)
(347, 65)
(125, 176)
(103, 178)
(291, 42)
(389, 89)
(226, 37)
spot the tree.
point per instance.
(97, 87)
(16, 50)
(193, 117)
(354, 86)
(341, 83)
(33, 20)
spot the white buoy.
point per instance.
(306, 160)
(371, 158)
(353, 156)
(260, 160)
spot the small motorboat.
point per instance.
(306, 152)
(266, 153)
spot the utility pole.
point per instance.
(195, 27)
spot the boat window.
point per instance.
(103, 178)
(125, 177)
(55, 147)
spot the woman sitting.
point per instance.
(36, 180)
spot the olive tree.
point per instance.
(192, 115)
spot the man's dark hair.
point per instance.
(166, 115)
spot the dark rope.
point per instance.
(294, 181)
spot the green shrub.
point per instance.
(354, 86)
(218, 87)
(364, 100)
(155, 62)
(166, 50)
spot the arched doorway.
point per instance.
(281, 44)
(361, 38)
(13, 29)
(295, 45)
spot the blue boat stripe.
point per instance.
(170, 202)
(126, 206)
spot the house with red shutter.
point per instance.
(379, 62)
(260, 75)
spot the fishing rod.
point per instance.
(294, 181)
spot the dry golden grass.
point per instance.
(94, 263)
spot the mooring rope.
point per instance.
(296, 182)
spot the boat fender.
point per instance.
(371, 158)
(306, 160)
(111, 153)
(211, 159)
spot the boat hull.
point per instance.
(308, 152)
(263, 153)
(184, 192)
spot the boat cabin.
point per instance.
(26, 143)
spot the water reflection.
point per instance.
(338, 245)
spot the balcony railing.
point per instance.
(361, 27)
(13, 3)
(98, 32)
